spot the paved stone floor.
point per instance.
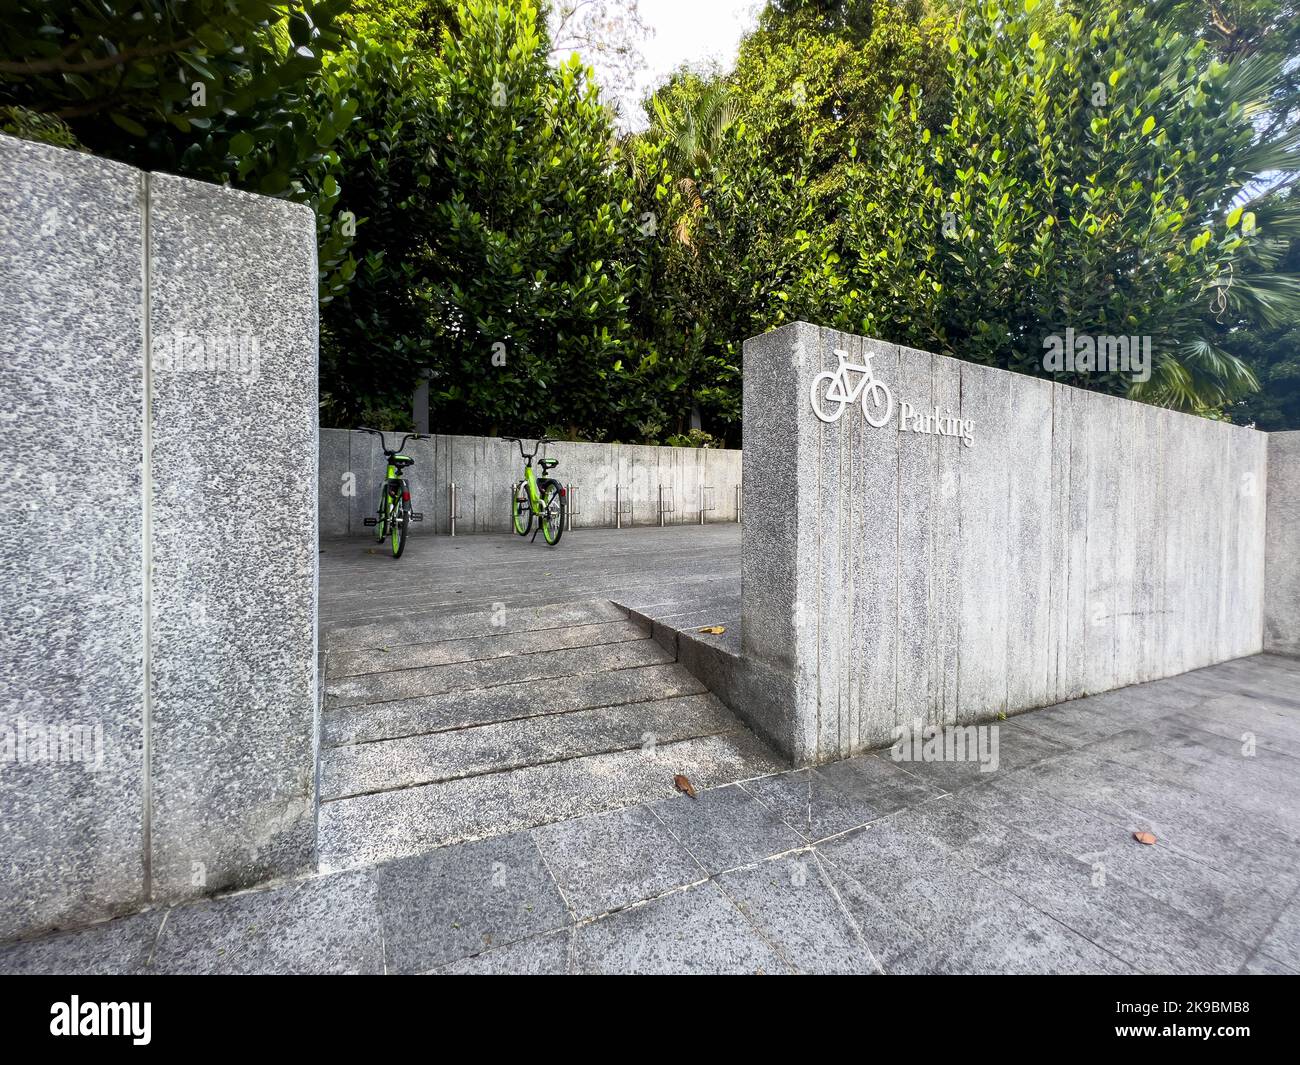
(868, 865)
(486, 684)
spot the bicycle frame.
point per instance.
(534, 493)
(837, 390)
(530, 474)
(395, 512)
(544, 499)
(842, 391)
(396, 482)
(397, 485)
(398, 489)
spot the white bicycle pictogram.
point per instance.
(874, 394)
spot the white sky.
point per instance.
(692, 30)
(688, 31)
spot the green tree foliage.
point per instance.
(530, 228)
(413, 26)
(375, 335)
(375, 332)
(811, 80)
(1237, 29)
(1095, 173)
(965, 176)
(226, 92)
(1272, 352)
(681, 305)
(745, 173)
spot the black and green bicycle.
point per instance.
(543, 498)
(395, 514)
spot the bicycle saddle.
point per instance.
(402, 461)
(550, 464)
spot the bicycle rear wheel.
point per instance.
(554, 508)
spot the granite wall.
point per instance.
(891, 575)
(1282, 565)
(485, 470)
(157, 627)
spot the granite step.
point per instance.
(542, 666)
(388, 764)
(471, 619)
(468, 723)
(392, 824)
(479, 648)
(368, 722)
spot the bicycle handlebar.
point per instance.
(541, 440)
(384, 443)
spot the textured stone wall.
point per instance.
(1282, 596)
(1081, 543)
(234, 537)
(485, 469)
(72, 595)
(157, 625)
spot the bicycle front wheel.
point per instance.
(401, 521)
(521, 511)
(877, 405)
(554, 508)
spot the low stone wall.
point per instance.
(1282, 567)
(485, 469)
(158, 610)
(1027, 544)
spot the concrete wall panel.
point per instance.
(72, 598)
(920, 536)
(985, 583)
(158, 463)
(1029, 549)
(1083, 542)
(1282, 566)
(234, 543)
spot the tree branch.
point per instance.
(60, 65)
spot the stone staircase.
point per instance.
(462, 725)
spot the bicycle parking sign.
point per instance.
(832, 391)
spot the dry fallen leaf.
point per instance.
(684, 785)
(1145, 837)
(713, 630)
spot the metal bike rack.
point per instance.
(620, 509)
(705, 488)
(738, 502)
(451, 509)
(666, 508)
(571, 496)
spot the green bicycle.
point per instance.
(541, 497)
(395, 514)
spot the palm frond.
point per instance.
(1269, 298)
(1196, 376)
